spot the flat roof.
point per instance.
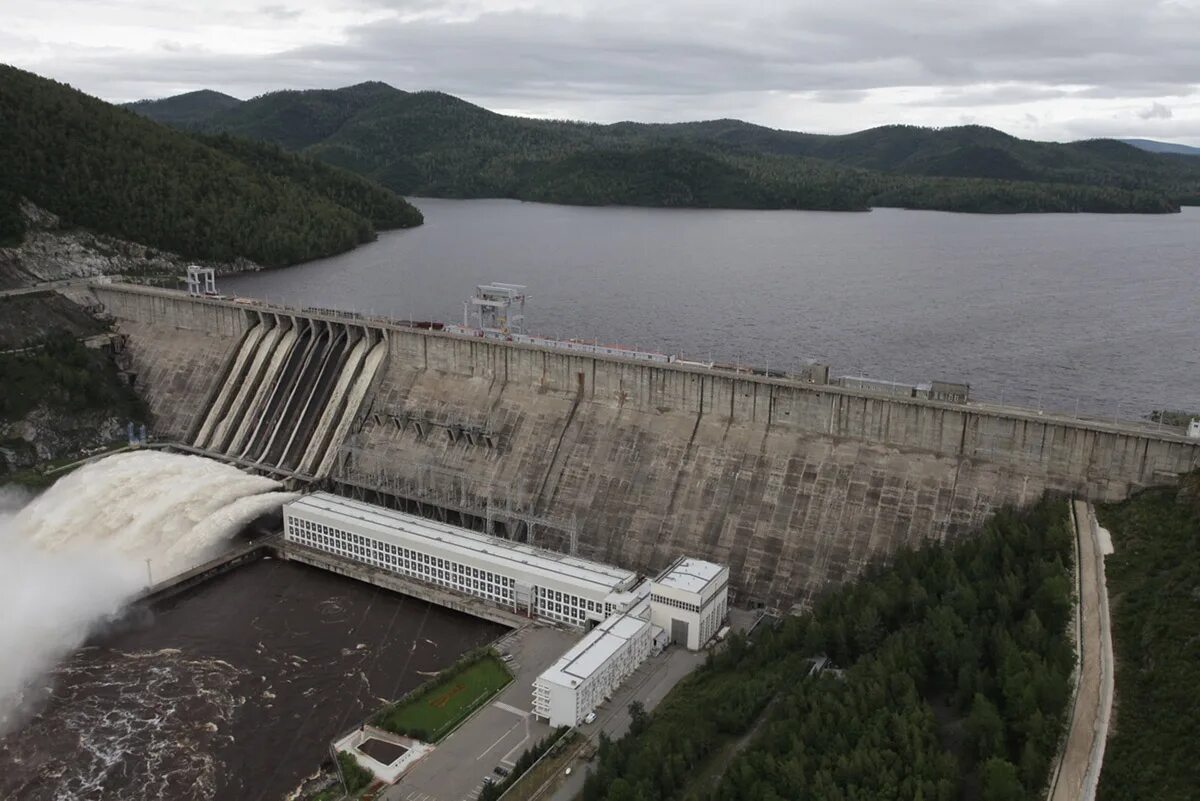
(501, 552)
(592, 652)
(690, 575)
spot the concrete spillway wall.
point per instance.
(179, 350)
(262, 386)
(795, 486)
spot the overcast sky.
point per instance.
(1044, 69)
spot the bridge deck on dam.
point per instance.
(795, 485)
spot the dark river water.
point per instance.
(232, 691)
(1047, 310)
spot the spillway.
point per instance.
(241, 366)
(78, 552)
(175, 510)
(289, 387)
(332, 408)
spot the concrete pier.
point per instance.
(796, 486)
(227, 561)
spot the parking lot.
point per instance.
(498, 734)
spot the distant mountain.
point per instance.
(1162, 147)
(187, 109)
(100, 167)
(431, 143)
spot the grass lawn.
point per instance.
(438, 708)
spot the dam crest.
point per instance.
(795, 485)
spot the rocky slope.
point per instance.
(58, 398)
(53, 252)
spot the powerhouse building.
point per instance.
(686, 603)
(592, 669)
(689, 600)
(525, 579)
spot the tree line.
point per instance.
(952, 679)
(110, 170)
(430, 143)
(1153, 580)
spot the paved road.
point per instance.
(46, 286)
(649, 684)
(1083, 752)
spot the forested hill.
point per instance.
(104, 168)
(435, 144)
(189, 108)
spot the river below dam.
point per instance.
(231, 691)
(1059, 311)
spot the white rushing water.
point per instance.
(71, 557)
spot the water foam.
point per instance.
(73, 556)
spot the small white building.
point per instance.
(519, 577)
(1193, 430)
(689, 600)
(592, 669)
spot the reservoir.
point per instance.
(1057, 311)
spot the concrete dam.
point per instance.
(795, 486)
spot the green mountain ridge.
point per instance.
(1155, 146)
(431, 143)
(189, 108)
(103, 168)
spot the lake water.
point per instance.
(1095, 312)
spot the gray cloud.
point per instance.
(687, 59)
(993, 95)
(280, 12)
(840, 96)
(1156, 111)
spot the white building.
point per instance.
(689, 599)
(592, 669)
(525, 579)
(1194, 429)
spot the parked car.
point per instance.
(501, 770)
(488, 780)
(590, 717)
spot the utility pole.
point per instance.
(149, 575)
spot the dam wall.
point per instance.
(796, 486)
(177, 350)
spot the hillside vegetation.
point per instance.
(956, 679)
(1154, 585)
(429, 143)
(188, 108)
(104, 168)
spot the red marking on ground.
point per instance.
(445, 697)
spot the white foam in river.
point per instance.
(71, 557)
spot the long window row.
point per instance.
(662, 599)
(566, 607)
(405, 561)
